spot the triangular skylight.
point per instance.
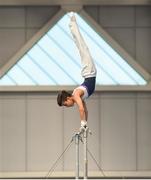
(55, 60)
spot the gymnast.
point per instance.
(88, 72)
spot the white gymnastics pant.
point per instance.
(88, 67)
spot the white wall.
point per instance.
(144, 132)
(118, 132)
(13, 133)
(34, 132)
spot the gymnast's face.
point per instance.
(69, 102)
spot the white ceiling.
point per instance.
(74, 2)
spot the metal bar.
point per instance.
(85, 135)
(77, 155)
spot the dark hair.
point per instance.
(62, 96)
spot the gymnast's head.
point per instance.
(65, 98)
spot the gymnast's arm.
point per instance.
(81, 105)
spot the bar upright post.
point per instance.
(85, 136)
(77, 155)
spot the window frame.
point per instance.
(100, 31)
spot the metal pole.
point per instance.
(85, 135)
(77, 155)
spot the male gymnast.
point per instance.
(82, 92)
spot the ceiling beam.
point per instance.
(73, 2)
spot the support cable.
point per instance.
(99, 167)
(51, 170)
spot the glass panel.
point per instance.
(20, 77)
(6, 80)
